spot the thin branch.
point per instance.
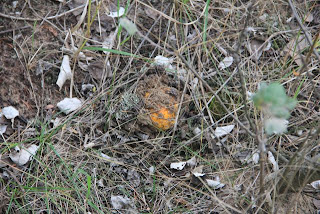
(39, 19)
(303, 28)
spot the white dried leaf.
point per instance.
(130, 27)
(68, 105)
(3, 129)
(118, 13)
(192, 161)
(226, 62)
(263, 17)
(89, 145)
(14, 4)
(5, 175)
(194, 83)
(65, 71)
(273, 161)
(268, 46)
(56, 122)
(109, 41)
(222, 131)
(106, 156)
(163, 61)
(197, 172)
(22, 156)
(250, 95)
(316, 184)
(10, 112)
(250, 29)
(275, 125)
(196, 131)
(255, 157)
(178, 165)
(151, 170)
(309, 17)
(120, 202)
(255, 48)
(100, 183)
(289, 19)
(215, 184)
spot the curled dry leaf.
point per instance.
(68, 105)
(22, 156)
(273, 161)
(65, 71)
(10, 112)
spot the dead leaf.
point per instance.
(309, 17)
(50, 29)
(316, 184)
(133, 177)
(316, 203)
(151, 13)
(226, 62)
(118, 13)
(256, 47)
(197, 172)
(3, 129)
(273, 161)
(10, 112)
(65, 71)
(23, 155)
(215, 184)
(178, 165)
(119, 202)
(295, 48)
(76, 3)
(68, 105)
(222, 131)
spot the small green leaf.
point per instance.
(273, 99)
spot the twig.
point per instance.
(39, 19)
(14, 29)
(309, 39)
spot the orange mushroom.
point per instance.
(162, 115)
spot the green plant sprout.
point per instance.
(274, 102)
